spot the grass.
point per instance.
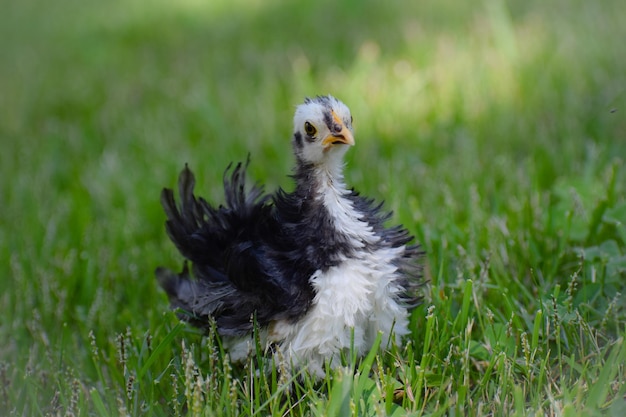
(495, 131)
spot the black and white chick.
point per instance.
(316, 268)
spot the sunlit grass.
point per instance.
(495, 131)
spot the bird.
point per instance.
(315, 270)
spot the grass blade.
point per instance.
(163, 346)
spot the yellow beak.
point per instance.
(343, 136)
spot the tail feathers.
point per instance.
(201, 232)
(182, 222)
(217, 242)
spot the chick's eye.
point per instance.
(309, 129)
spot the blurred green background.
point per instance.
(493, 129)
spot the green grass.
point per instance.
(495, 131)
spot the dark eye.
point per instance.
(309, 129)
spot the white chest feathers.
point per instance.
(354, 301)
